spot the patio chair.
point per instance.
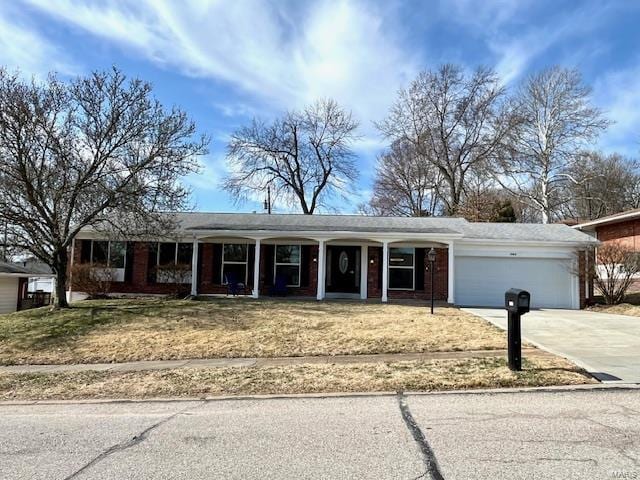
(234, 287)
(279, 287)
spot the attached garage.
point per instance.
(483, 280)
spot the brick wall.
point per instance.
(441, 277)
(139, 282)
(627, 233)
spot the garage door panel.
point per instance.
(482, 281)
(8, 294)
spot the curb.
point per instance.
(328, 395)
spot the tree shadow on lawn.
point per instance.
(42, 327)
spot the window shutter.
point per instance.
(305, 259)
(380, 267)
(152, 261)
(419, 270)
(85, 251)
(217, 264)
(269, 252)
(128, 266)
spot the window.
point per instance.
(287, 264)
(234, 262)
(402, 268)
(171, 253)
(172, 262)
(117, 254)
(110, 254)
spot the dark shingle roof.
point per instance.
(29, 270)
(319, 223)
(519, 232)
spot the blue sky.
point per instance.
(227, 61)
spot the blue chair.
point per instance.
(234, 287)
(279, 286)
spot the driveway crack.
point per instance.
(132, 442)
(428, 457)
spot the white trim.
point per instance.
(385, 272)
(321, 269)
(194, 268)
(412, 268)
(256, 269)
(245, 263)
(276, 263)
(451, 297)
(364, 271)
(608, 220)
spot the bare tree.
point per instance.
(602, 185)
(405, 184)
(485, 202)
(92, 152)
(304, 156)
(557, 122)
(455, 121)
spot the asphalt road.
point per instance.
(568, 434)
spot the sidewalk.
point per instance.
(261, 362)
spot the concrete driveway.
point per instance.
(606, 345)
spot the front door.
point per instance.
(343, 269)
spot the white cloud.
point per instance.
(23, 48)
(284, 57)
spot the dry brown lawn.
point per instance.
(307, 378)
(621, 309)
(160, 329)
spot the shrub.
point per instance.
(615, 270)
(92, 279)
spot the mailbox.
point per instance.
(517, 301)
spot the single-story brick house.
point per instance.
(352, 256)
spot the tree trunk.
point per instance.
(61, 260)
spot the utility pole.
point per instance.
(267, 202)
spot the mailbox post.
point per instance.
(517, 303)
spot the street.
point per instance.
(568, 434)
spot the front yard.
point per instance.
(159, 329)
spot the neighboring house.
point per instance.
(351, 256)
(14, 286)
(622, 228)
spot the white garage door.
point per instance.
(8, 294)
(482, 281)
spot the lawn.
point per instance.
(307, 378)
(160, 329)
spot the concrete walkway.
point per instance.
(258, 362)
(606, 345)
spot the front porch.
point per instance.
(348, 268)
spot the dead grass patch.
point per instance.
(307, 378)
(158, 329)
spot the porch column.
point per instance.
(194, 269)
(385, 270)
(256, 270)
(321, 270)
(451, 275)
(364, 270)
